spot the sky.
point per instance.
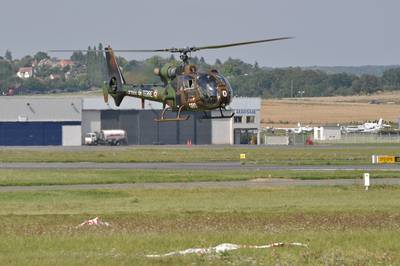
(327, 32)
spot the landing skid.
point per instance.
(178, 116)
(222, 116)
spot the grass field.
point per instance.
(330, 155)
(341, 225)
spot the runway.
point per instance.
(199, 166)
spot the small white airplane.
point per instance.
(299, 129)
(366, 127)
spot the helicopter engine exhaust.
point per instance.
(117, 81)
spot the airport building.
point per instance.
(327, 133)
(41, 121)
(33, 121)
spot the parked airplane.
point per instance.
(299, 129)
(366, 127)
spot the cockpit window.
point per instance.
(208, 85)
(187, 82)
(225, 81)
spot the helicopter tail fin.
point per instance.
(115, 86)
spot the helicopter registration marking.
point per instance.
(145, 93)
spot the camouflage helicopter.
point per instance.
(184, 88)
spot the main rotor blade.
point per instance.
(179, 50)
(238, 44)
(120, 51)
(194, 49)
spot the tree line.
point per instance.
(89, 70)
(253, 80)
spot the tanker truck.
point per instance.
(107, 137)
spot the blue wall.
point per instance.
(32, 133)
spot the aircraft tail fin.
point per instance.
(116, 79)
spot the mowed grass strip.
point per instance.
(35, 177)
(341, 225)
(167, 201)
(334, 155)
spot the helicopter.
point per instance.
(183, 87)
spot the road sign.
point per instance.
(385, 159)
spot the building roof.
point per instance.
(47, 108)
(65, 62)
(128, 103)
(249, 103)
(25, 69)
(24, 109)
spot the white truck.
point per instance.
(106, 137)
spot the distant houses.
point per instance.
(25, 72)
(54, 62)
(29, 72)
(64, 63)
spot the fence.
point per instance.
(284, 139)
(352, 138)
(360, 138)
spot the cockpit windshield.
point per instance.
(226, 82)
(208, 85)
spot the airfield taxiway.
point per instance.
(200, 166)
(257, 183)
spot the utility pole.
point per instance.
(291, 88)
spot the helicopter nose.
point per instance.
(225, 95)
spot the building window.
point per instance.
(245, 136)
(250, 119)
(238, 119)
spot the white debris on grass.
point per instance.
(95, 221)
(223, 248)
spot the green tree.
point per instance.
(39, 56)
(369, 83)
(8, 55)
(6, 70)
(25, 61)
(101, 60)
(78, 57)
(256, 66)
(391, 78)
(33, 85)
(96, 66)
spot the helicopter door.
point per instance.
(189, 90)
